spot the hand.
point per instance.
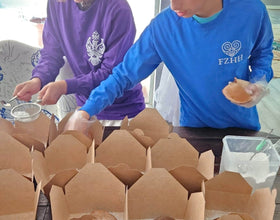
(80, 121)
(257, 91)
(25, 90)
(51, 92)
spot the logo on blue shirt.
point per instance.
(231, 49)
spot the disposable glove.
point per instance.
(257, 90)
(80, 121)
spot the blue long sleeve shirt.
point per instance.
(203, 58)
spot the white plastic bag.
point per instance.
(167, 98)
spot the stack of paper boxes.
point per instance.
(141, 171)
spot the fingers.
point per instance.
(48, 96)
(52, 92)
(25, 90)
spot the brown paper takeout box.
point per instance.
(183, 161)
(42, 131)
(57, 165)
(95, 130)
(94, 187)
(147, 127)
(32, 134)
(15, 155)
(123, 155)
(18, 200)
(157, 193)
(228, 196)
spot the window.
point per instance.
(141, 21)
(15, 20)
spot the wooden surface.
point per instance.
(202, 139)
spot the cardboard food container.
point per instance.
(15, 155)
(94, 187)
(123, 155)
(41, 132)
(95, 130)
(38, 129)
(228, 196)
(157, 193)
(183, 161)
(147, 127)
(32, 134)
(18, 199)
(6, 126)
(58, 163)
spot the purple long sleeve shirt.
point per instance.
(93, 41)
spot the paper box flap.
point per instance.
(14, 154)
(36, 199)
(40, 168)
(124, 123)
(65, 152)
(95, 188)
(6, 126)
(231, 217)
(96, 131)
(206, 164)
(63, 122)
(157, 193)
(125, 174)
(139, 135)
(196, 207)
(59, 179)
(189, 177)
(227, 191)
(262, 204)
(58, 204)
(17, 195)
(30, 142)
(80, 136)
(172, 153)
(151, 123)
(91, 153)
(121, 147)
(148, 160)
(39, 128)
(53, 131)
(236, 216)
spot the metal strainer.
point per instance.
(26, 112)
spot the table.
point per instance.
(202, 139)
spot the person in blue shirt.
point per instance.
(204, 44)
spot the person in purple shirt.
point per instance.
(93, 35)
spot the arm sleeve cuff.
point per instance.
(72, 85)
